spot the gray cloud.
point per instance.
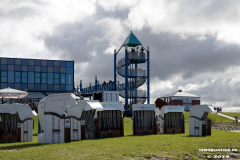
(119, 13)
(21, 13)
(22, 9)
(170, 54)
(216, 10)
(236, 104)
(83, 44)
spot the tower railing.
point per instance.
(139, 72)
(134, 94)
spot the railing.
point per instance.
(139, 77)
(132, 85)
(121, 62)
(139, 72)
(139, 100)
(132, 56)
(100, 87)
(134, 94)
(137, 55)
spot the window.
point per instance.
(44, 69)
(69, 78)
(37, 63)
(18, 62)
(37, 77)
(37, 68)
(69, 87)
(56, 63)
(10, 61)
(4, 76)
(44, 63)
(62, 64)
(4, 61)
(31, 62)
(50, 78)
(24, 68)
(43, 87)
(56, 69)
(11, 67)
(24, 77)
(10, 76)
(17, 77)
(70, 64)
(56, 78)
(50, 87)
(50, 69)
(24, 86)
(30, 77)
(62, 78)
(31, 68)
(24, 62)
(18, 68)
(69, 67)
(62, 87)
(37, 86)
(44, 78)
(69, 70)
(11, 85)
(4, 67)
(50, 63)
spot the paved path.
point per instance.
(220, 114)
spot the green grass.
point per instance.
(177, 146)
(232, 114)
(186, 116)
(214, 117)
(217, 118)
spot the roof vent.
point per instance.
(179, 90)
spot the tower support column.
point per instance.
(115, 74)
(126, 77)
(148, 75)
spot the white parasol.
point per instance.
(12, 93)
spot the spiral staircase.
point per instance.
(134, 78)
(137, 77)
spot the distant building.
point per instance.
(182, 98)
(39, 77)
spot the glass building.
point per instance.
(37, 75)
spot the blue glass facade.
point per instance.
(37, 74)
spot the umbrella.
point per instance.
(12, 93)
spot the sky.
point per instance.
(194, 45)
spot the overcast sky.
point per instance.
(194, 45)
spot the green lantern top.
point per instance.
(131, 41)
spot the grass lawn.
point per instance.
(186, 116)
(214, 117)
(232, 114)
(176, 146)
(217, 118)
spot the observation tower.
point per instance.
(135, 76)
